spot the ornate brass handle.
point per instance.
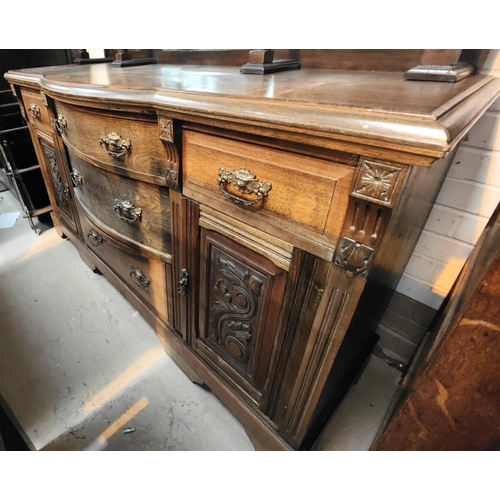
(183, 282)
(115, 145)
(95, 238)
(34, 111)
(127, 211)
(77, 178)
(138, 277)
(245, 182)
(61, 124)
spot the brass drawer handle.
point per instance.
(61, 124)
(115, 145)
(34, 111)
(126, 211)
(77, 179)
(95, 238)
(245, 182)
(138, 277)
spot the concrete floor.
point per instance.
(82, 370)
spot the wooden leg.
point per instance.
(88, 262)
(190, 374)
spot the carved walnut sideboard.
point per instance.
(259, 222)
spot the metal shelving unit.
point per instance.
(19, 168)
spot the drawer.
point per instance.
(125, 144)
(146, 277)
(132, 210)
(36, 110)
(305, 195)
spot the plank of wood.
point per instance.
(452, 397)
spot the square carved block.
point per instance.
(377, 182)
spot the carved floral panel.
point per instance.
(61, 189)
(234, 305)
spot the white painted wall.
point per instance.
(467, 199)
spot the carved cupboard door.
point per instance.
(57, 170)
(240, 296)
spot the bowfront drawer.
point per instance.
(146, 277)
(36, 110)
(127, 209)
(308, 196)
(122, 143)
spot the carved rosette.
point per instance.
(166, 129)
(235, 305)
(377, 182)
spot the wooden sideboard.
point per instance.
(259, 223)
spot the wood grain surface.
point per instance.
(378, 109)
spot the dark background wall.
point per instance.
(30, 58)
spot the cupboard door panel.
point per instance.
(57, 169)
(241, 292)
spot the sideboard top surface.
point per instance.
(378, 106)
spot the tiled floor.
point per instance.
(82, 370)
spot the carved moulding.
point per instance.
(166, 134)
(375, 192)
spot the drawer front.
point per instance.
(136, 210)
(146, 277)
(36, 110)
(306, 195)
(124, 144)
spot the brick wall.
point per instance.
(468, 197)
